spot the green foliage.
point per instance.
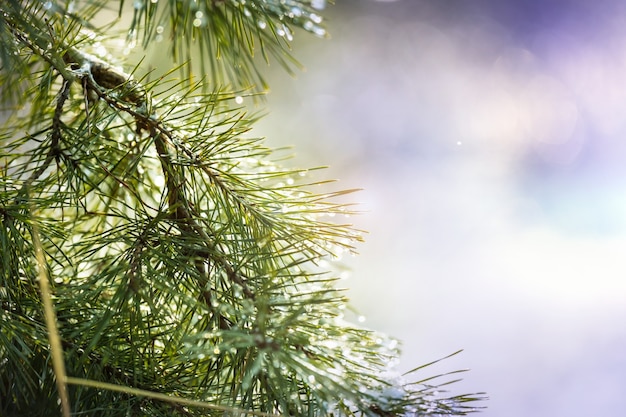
(231, 31)
(185, 265)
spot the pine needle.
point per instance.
(56, 350)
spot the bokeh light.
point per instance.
(489, 138)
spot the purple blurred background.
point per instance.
(490, 140)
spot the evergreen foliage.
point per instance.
(184, 265)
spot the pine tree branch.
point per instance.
(199, 278)
(100, 77)
(227, 34)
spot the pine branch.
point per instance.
(227, 33)
(182, 261)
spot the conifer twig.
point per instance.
(191, 267)
(101, 76)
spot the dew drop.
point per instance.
(319, 31)
(318, 4)
(315, 18)
(288, 33)
(295, 12)
(261, 24)
(238, 99)
(132, 36)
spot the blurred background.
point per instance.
(489, 138)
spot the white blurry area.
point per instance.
(490, 140)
